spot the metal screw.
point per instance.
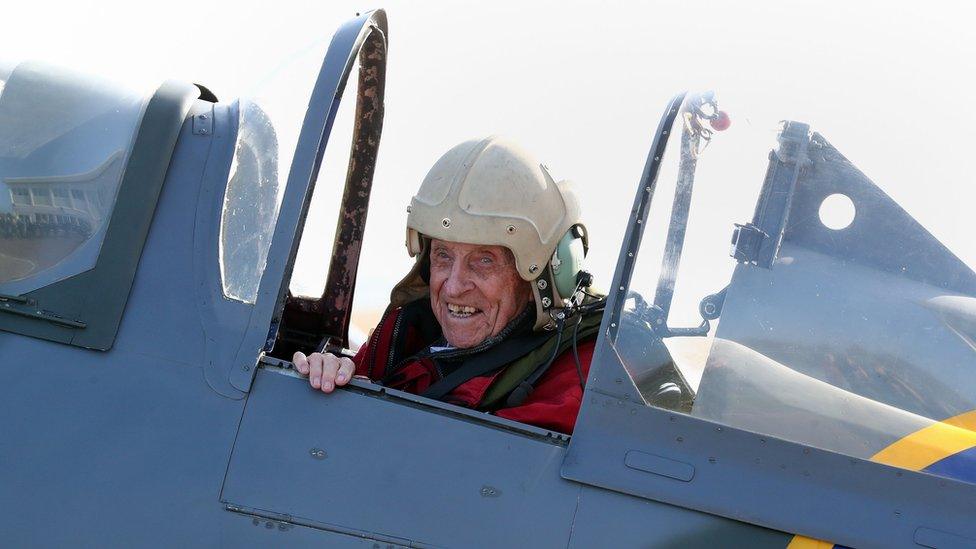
(542, 284)
(446, 222)
(546, 302)
(533, 268)
(317, 453)
(511, 229)
(203, 117)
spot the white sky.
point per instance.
(582, 85)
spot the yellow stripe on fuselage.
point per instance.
(801, 542)
(931, 444)
(964, 421)
(916, 452)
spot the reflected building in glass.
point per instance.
(43, 219)
(65, 140)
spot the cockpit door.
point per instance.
(364, 38)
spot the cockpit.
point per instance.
(830, 317)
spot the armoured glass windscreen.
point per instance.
(782, 290)
(65, 139)
(251, 202)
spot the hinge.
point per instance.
(203, 124)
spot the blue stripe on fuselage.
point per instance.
(961, 466)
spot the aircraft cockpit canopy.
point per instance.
(65, 139)
(822, 313)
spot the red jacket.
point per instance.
(553, 404)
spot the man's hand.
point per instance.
(325, 371)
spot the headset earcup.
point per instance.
(569, 256)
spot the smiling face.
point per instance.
(475, 290)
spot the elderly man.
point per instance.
(494, 315)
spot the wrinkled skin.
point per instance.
(475, 291)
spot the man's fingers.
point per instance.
(301, 362)
(315, 370)
(346, 369)
(330, 369)
(325, 371)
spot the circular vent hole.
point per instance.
(837, 212)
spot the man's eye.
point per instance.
(486, 261)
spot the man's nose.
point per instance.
(459, 281)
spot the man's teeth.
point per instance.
(461, 310)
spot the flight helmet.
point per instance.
(492, 192)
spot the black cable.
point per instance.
(590, 307)
(555, 350)
(579, 367)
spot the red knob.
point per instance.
(721, 122)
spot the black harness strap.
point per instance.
(483, 363)
(525, 388)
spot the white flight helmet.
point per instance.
(491, 192)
